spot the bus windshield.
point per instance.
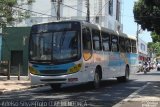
(55, 46)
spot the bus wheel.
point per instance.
(126, 77)
(55, 87)
(96, 79)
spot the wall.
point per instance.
(142, 46)
(15, 39)
(74, 9)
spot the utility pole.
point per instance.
(137, 35)
(58, 9)
(88, 11)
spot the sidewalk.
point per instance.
(14, 84)
(146, 96)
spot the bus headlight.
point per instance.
(74, 69)
(33, 71)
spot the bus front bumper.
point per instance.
(63, 79)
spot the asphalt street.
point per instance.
(110, 93)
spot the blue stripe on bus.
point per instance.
(132, 58)
(115, 60)
(54, 67)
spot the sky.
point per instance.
(129, 26)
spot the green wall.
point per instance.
(15, 39)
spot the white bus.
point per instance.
(67, 52)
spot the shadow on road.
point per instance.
(110, 93)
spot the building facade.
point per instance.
(142, 50)
(15, 39)
(15, 48)
(103, 12)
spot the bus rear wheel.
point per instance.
(126, 77)
(96, 79)
(55, 87)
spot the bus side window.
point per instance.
(87, 44)
(121, 44)
(114, 43)
(134, 49)
(106, 41)
(128, 45)
(96, 40)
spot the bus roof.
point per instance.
(96, 26)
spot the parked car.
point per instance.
(158, 66)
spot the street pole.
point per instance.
(137, 34)
(19, 71)
(9, 70)
(58, 10)
(88, 11)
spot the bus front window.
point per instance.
(40, 47)
(55, 46)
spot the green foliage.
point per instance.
(11, 11)
(155, 37)
(147, 14)
(154, 47)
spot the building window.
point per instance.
(110, 7)
(143, 47)
(53, 1)
(56, 1)
(118, 10)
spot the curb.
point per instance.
(24, 89)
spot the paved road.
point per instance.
(110, 93)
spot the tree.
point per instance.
(11, 11)
(154, 47)
(155, 37)
(147, 14)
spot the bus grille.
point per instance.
(53, 72)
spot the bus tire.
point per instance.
(126, 77)
(55, 87)
(97, 79)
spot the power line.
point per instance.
(100, 10)
(73, 8)
(30, 10)
(33, 11)
(141, 16)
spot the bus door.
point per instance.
(87, 53)
(97, 47)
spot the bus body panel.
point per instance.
(133, 61)
(83, 75)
